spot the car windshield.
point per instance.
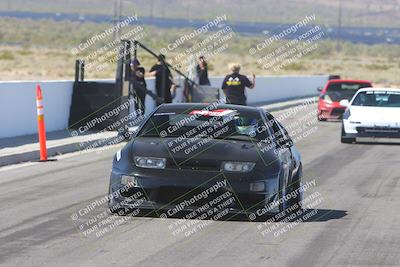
(198, 123)
(377, 99)
(344, 90)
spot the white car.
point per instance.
(372, 112)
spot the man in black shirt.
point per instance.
(164, 80)
(234, 85)
(139, 85)
(202, 71)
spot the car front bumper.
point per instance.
(330, 111)
(354, 130)
(169, 194)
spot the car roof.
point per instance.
(368, 89)
(180, 106)
(348, 81)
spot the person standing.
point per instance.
(139, 85)
(234, 86)
(164, 80)
(191, 71)
(202, 71)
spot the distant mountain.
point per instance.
(359, 13)
(367, 35)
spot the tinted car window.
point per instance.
(345, 90)
(218, 124)
(280, 134)
(377, 99)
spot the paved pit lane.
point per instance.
(352, 219)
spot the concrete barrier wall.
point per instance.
(18, 106)
(18, 99)
(276, 88)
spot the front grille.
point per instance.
(194, 164)
(175, 195)
(169, 195)
(379, 131)
(250, 200)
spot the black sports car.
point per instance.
(187, 157)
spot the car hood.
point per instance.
(382, 115)
(221, 150)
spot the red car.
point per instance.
(333, 92)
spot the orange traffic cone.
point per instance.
(41, 126)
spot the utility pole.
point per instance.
(188, 10)
(339, 30)
(151, 8)
(115, 18)
(120, 11)
(162, 11)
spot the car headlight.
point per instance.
(231, 166)
(152, 163)
(328, 99)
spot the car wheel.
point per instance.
(344, 139)
(114, 207)
(321, 119)
(282, 195)
(296, 202)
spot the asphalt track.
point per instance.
(356, 223)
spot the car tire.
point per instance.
(321, 119)
(281, 195)
(295, 186)
(344, 139)
(114, 207)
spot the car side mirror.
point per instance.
(344, 103)
(132, 132)
(287, 143)
(319, 88)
